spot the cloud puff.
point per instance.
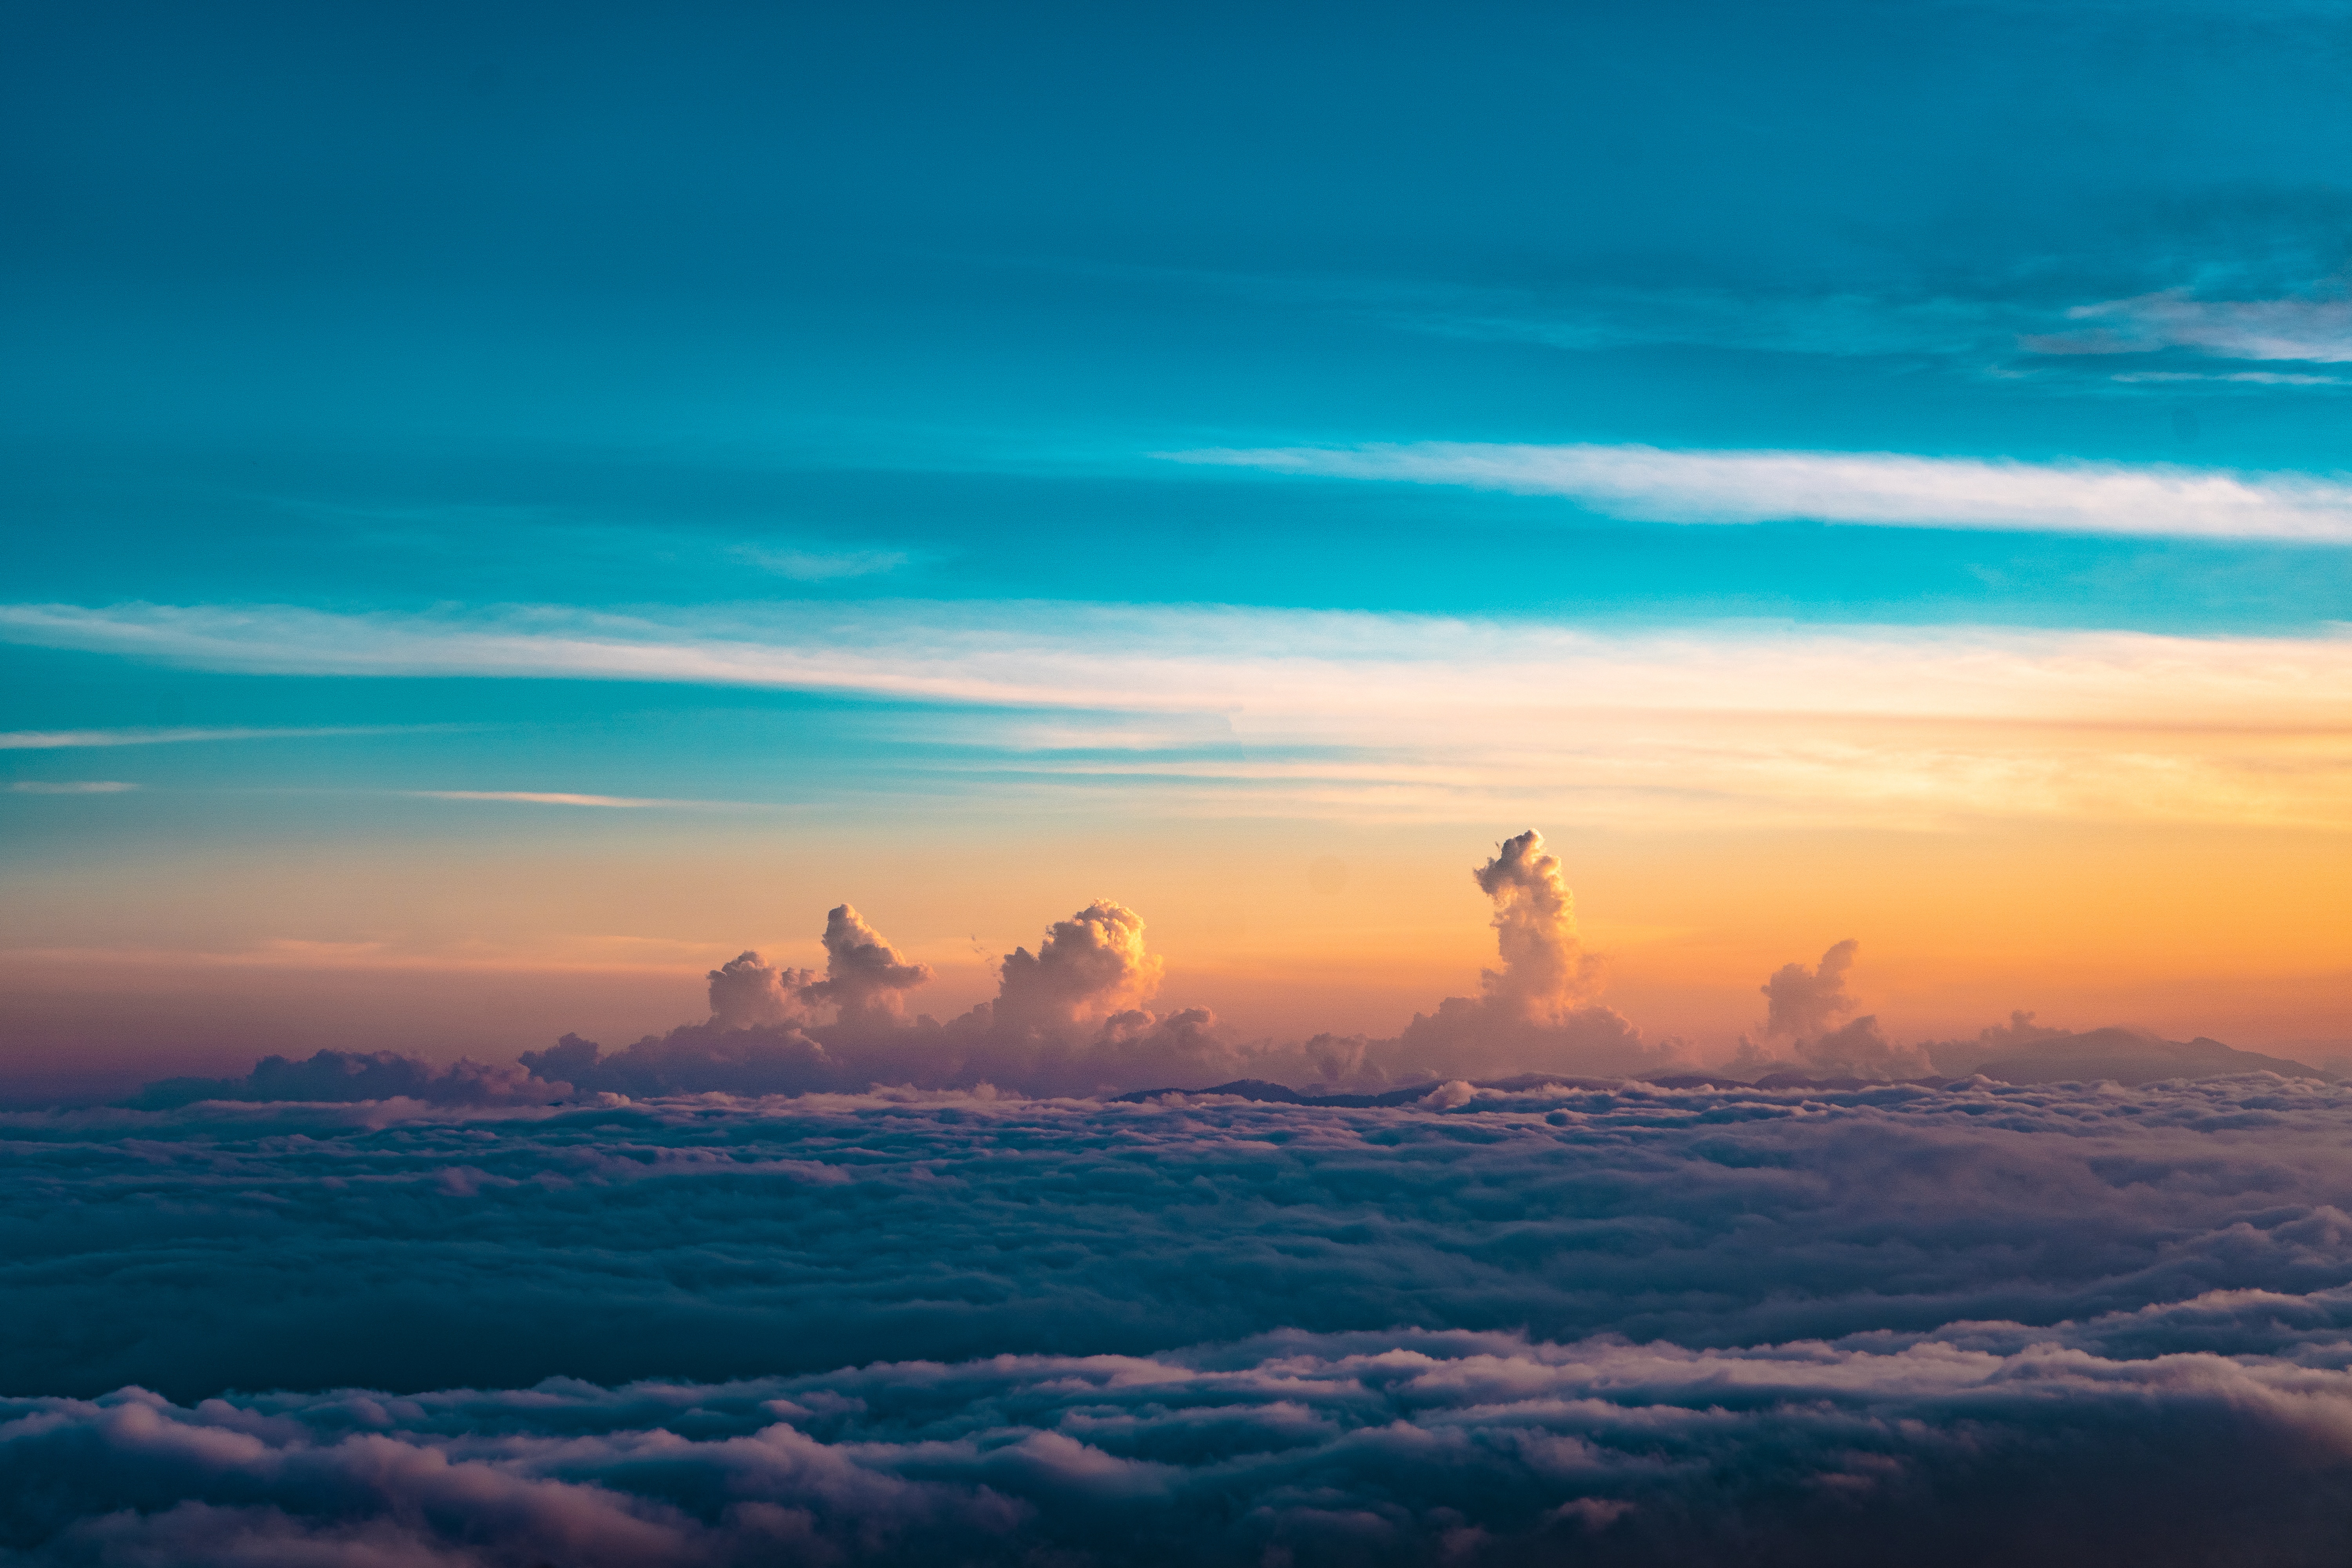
(1071, 1018)
(1533, 1015)
(1089, 965)
(1545, 972)
(863, 974)
(1506, 1325)
(1800, 1002)
(763, 1035)
(1066, 1019)
(747, 994)
(1805, 1008)
(864, 978)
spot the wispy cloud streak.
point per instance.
(821, 565)
(1269, 711)
(63, 739)
(1889, 489)
(70, 786)
(2319, 331)
(556, 797)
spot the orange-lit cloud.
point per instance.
(1387, 718)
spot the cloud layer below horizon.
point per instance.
(1707, 1325)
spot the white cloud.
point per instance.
(70, 786)
(2254, 377)
(1256, 668)
(556, 797)
(60, 740)
(821, 565)
(2319, 331)
(1889, 489)
(1373, 716)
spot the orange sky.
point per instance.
(2239, 933)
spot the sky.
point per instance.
(509, 506)
(1271, 786)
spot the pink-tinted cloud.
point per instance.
(864, 977)
(1546, 971)
(1948, 1326)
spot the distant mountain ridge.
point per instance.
(2127, 1056)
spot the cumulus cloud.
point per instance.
(1073, 1017)
(863, 974)
(1090, 965)
(746, 993)
(1807, 1008)
(863, 982)
(1546, 971)
(1533, 1014)
(1801, 1001)
(1066, 1019)
(1509, 1324)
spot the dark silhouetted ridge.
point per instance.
(2130, 1056)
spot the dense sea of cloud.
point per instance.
(1899, 1323)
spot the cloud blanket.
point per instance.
(2042, 1324)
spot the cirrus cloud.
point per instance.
(1892, 490)
(2318, 330)
(71, 786)
(1385, 716)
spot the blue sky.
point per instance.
(841, 333)
(397, 307)
(421, 299)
